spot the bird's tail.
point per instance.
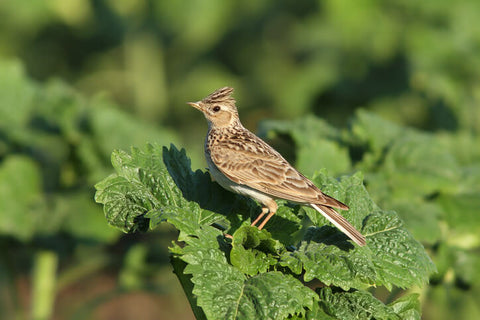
(341, 223)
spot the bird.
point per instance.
(243, 163)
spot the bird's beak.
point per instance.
(196, 105)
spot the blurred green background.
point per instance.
(80, 78)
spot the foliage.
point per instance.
(54, 144)
(256, 275)
(430, 179)
(329, 57)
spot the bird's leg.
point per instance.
(272, 209)
(271, 213)
(260, 216)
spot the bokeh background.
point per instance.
(80, 78)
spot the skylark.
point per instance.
(243, 163)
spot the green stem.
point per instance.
(44, 282)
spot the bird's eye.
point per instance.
(216, 108)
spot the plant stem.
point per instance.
(44, 285)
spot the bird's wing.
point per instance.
(252, 162)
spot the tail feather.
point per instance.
(332, 202)
(341, 223)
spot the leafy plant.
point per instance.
(430, 179)
(265, 274)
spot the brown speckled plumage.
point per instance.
(243, 163)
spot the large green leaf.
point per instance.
(362, 305)
(22, 207)
(316, 144)
(142, 190)
(392, 256)
(225, 292)
(412, 163)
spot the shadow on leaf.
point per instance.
(329, 236)
(198, 187)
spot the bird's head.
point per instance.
(219, 108)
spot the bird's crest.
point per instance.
(220, 95)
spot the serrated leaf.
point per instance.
(197, 186)
(392, 256)
(341, 266)
(355, 305)
(124, 203)
(253, 250)
(399, 259)
(224, 292)
(407, 307)
(142, 190)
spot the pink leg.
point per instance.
(260, 227)
(260, 216)
(271, 208)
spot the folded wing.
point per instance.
(254, 163)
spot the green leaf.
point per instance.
(253, 250)
(316, 144)
(407, 307)
(377, 133)
(331, 262)
(356, 305)
(425, 227)
(392, 256)
(16, 91)
(224, 292)
(197, 186)
(21, 204)
(115, 129)
(413, 163)
(142, 190)
(82, 218)
(462, 213)
(400, 260)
